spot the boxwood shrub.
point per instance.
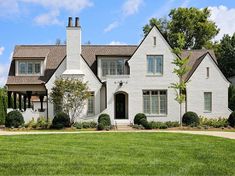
(190, 119)
(104, 122)
(145, 123)
(14, 119)
(231, 119)
(61, 120)
(138, 117)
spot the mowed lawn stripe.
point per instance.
(116, 154)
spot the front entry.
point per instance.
(121, 105)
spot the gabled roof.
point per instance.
(55, 54)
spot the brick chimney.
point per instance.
(73, 47)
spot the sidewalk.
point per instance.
(229, 135)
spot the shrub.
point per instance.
(14, 119)
(100, 126)
(145, 123)
(78, 125)
(213, 122)
(105, 119)
(85, 124)
(93, 124)
(138, 117)
(190, 119)
(30, 124)
(104, 122)
(42, 123)
(170, 124)
(61, 120)
(231, 119)
(158, 125)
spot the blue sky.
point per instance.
(102, 21)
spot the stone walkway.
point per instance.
(230, 135)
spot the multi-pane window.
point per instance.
(29, 67)
(155, 64)
(112, 67)
(155, 102)
(91, 104)
(207, 101)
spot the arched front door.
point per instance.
(121, 105)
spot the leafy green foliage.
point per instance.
(145, 123)
(213, 122)
(3, 105)
(190, 118)
(190, 25)
(231, 97)
(158, 125)
(69, 95)
(104, 122)
(61, 120)
(226, 55)
(231, 119)
(14, 119)
(138, 117)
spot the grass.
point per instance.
(116, 154)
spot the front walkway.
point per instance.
(229, 135)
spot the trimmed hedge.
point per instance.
(104, 122)
(61, 120)
(14, 119)
(190, 119)
(231, 119)
(138, 118)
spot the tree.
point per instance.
(161, 23)
(231, 97)
(226, 55)
(191, 23)
(180, 70)
(68, 95)
(58, 41)
(3, 105)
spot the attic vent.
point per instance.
(154, 41)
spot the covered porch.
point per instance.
(21, 97)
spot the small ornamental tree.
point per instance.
(180, 70)
(68, 95)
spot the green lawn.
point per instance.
(116, 154)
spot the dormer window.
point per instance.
(29, 67)
(112, 67)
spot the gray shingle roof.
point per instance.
(56, 54)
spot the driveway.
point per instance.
(229, 135)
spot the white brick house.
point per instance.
(124, 79)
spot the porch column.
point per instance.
(29, 94)
(41, 101)
(9, 99)
(20, 99)
(25, 102)
(14, 96)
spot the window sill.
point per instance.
(156, 115)
(155, 75)
(207, 111)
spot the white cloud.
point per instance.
(1, 50)
(224, 19)
(131, 7)
(185, 3)
(48, 19)
(111, 26)
(117, 43)
(69, 5)
(8, 8)
(3, 73)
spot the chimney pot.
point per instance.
(77, 24)
(70, 22)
